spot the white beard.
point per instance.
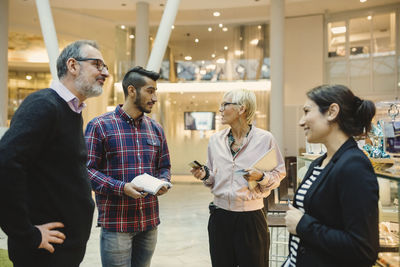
(86, 89)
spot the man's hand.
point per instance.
(292, 218)
(50, 236)
(162, 191)
(198, 173)
(133, 191)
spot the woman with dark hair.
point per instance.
(334, 217)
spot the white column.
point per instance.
(49, 34)
(3, 62)
(142, 34)
(277, 70)
(163, 34)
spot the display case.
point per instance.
(389, 209)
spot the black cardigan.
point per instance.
(43, 178)
(340, 224)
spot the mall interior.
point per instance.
(280, 49)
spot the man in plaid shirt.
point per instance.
(122, 145)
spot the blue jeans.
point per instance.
(127, 249)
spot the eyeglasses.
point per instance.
(224, 104)
(99, 63)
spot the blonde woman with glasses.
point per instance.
(237, 228)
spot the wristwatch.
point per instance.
(262, 178)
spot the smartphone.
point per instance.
(195, 164)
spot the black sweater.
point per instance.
(43, 177)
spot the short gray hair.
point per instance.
(244, 98)
(73, 50)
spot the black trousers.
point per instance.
(43, 258)
(238, 238)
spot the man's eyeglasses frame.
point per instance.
(99, 63)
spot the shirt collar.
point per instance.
(68, 96)
(125, 116)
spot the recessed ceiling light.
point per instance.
(188, 58)
(209, 29)
(369, 17)
(220, 25)
(173, 27)
(254, 42)
(196, 40)
(225, 48)
(28, 77)
(132, 36)
(213, 55)
(338, 30)
(225, 29)
(259, 26)
(216, 14)
(363, 1)
(221, 61)
(123, 27)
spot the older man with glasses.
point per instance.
(46, 202)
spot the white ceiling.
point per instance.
(198, 11)
(97, 19)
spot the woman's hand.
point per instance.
(253, 175)
(198, 173)
(292, 218)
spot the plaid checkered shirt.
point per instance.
(119, 149)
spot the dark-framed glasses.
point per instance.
(224, 104)
(99, 63)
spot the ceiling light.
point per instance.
(363, 1)
(238, 52)
(254, 42)
(221, 61)
(225, 29)
(196, 40)
(220, 25)
(132, 36)
(369, 17)
(188, 58)
(28, 77)
(259, 26)
(213, 55)
(209, 29)
(225, 48)
(123, 27)
(173, 27)
(216, 14)
(337, 30)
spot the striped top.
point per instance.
(299, 203)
